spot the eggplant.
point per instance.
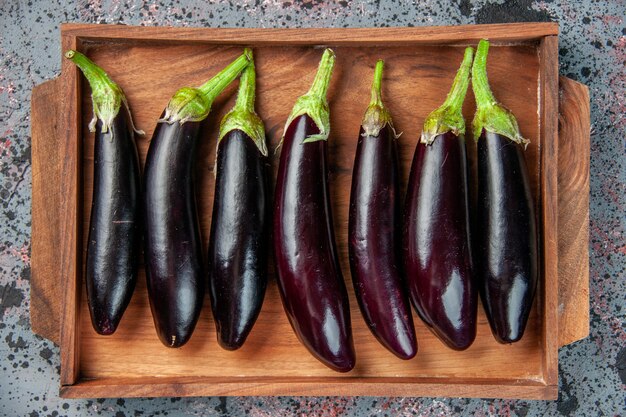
(437, 240)
(310, 281)
(506, 255)
(238, 249)
(173, 246)
(375, 230)
(114, 224)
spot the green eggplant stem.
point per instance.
(491, 115)
(242, 116)
(107, 97)
(376, 116)
(191, 104)
(314, 102)
(449, 117)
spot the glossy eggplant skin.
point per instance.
(309, 276)
(375, 239)
(437, 247)
(238, 249)
(173, 249)
(506, 254)
(114, 228)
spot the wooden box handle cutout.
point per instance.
(573, 200)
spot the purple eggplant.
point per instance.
(375, 230)
(238, 248)
(437, 249)
(114, 224)
(173, 246)
(506, 242)
(309, 276)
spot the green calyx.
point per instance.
(242, 116)
(376, 116)
(187, 105)
(106, 96)
(314, 103)
(449, 117)
(191, 104)
(491, 115)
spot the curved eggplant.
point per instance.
(507, 234)
(309, 276)
(114, 232)
(238, 249)
(437, 248)
(173, 247)
(375, 231)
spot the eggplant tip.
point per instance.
(341, 364)
(229, 347)
(405, 355)
(507, 333)
(229, 342)
(458, 343)
(403, 345)
(173, 341)
(459, 346)
(508, 339)
(105, 327)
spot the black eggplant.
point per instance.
(114, 224)
(173, 247)
(309, 276)
(506, 254)
(238, 248)
(375, 230)
(437, 245)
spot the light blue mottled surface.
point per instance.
(592, 373)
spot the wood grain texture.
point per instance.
(417, 78)
(69, 255)
(392, 387)
(548, 200)
(509, 32)
(47, 150)
(574, 153)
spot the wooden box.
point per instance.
(152, 63)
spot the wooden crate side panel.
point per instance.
(187, 387)
(71, 208)
(509, 32)
(548, 51)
